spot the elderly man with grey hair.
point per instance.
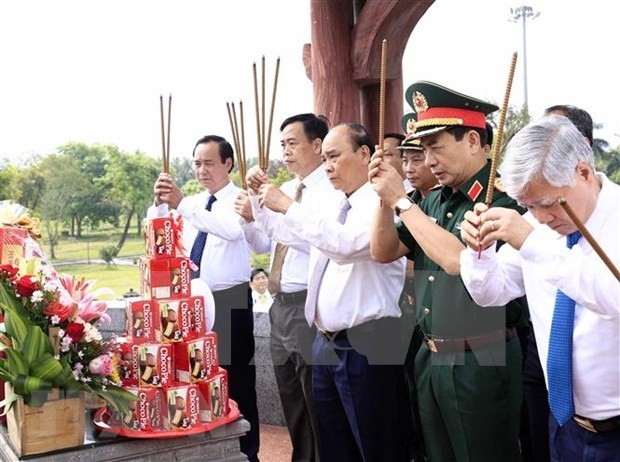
(574, 298)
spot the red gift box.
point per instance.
(196, 360)
(12, 245)
(183, 405)
(143, 322)
(162, 279)
(214, 397)
(155, 364)
(161, 240)
(147, 413)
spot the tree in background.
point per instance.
(129, 181)
(63, 183)
(93, 203)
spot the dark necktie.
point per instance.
(319, 270)
(199, 244)
(279, 253)
(560, 359)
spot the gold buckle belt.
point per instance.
(331, 336)
(598, 426)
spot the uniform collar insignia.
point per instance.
(475, 190)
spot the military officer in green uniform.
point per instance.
(468, 370)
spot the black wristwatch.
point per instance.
(402, 204)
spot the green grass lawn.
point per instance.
(118, 278)
(88, 246)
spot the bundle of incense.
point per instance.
(263, 148)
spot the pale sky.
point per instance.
(92, 71)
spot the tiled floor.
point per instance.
(275, 444)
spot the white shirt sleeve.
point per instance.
(343, 244)
(583, 277)
(495, 278)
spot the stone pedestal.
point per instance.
(220, 444)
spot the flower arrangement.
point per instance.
(52, 336)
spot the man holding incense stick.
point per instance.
(468, 369)
(357, 353)
(301, 138)
(573, 295)
(220, 252)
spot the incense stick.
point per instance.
(265, 154)
(168, 138)
(273, 102)
(382, 92)
(586, 234)
(243, 143)
(500, 131)
(163, 134)
(258, 132)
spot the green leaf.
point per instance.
(46, 368)
(16, 326)
(7, 402)
(17, 363)
(33, 389)
(35, 344)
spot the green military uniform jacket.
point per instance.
(444, 307)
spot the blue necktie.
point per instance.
(317, 275)
(560, 359)
(199, 244)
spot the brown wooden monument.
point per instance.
(344, 60)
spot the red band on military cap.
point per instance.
(470, 118)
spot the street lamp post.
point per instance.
(523, 13)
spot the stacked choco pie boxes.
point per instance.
(170, 361)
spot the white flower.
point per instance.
(36, 296)
(50, 286)
(81, 354)
(91, 333)
(55, 320)
(47, 271)
(65, 343)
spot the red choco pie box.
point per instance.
(162, 279)
(161, 238)
(196, 360)
(180, 277)
(154, 278)
(128, 364)
(148, 412)
(183, 319)
(172, 318)
(12, 245)
(155, 364)
(198, 322)
(183, 407)
(143, 322)
(214, 397)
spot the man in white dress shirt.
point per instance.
(291, 338)
(219, 248)
(573, 296)
(357, 371)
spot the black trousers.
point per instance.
(291, 353)
(234, 325)
(359, 394)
